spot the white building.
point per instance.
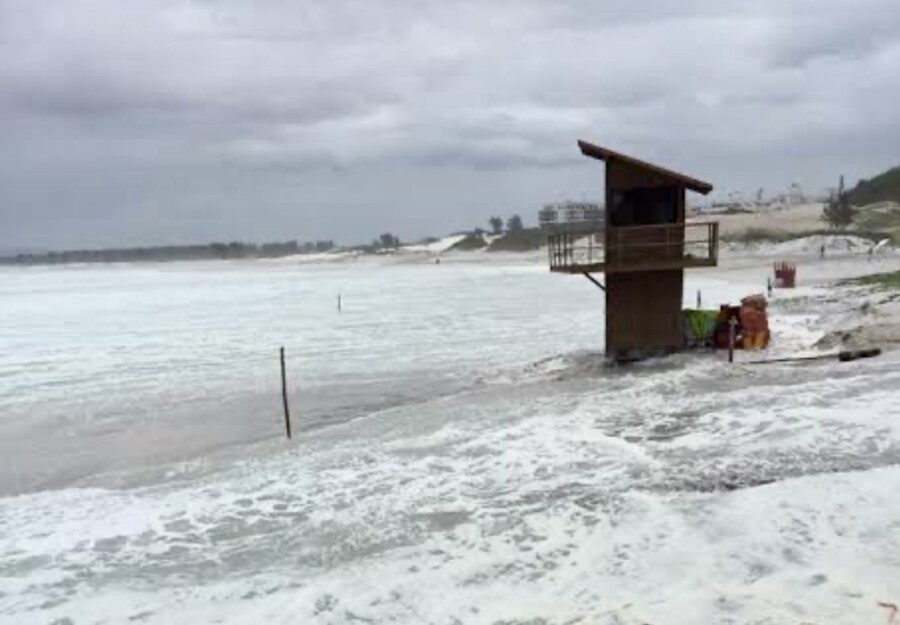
(566, 213)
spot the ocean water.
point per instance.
(461, 455)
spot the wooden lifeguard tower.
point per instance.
(643, 249)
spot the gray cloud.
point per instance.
(193, 119)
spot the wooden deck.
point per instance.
(687, 263)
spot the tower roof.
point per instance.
(605, 154)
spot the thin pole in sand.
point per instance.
(731, 329)
(284, 397)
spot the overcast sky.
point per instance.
(188, 120)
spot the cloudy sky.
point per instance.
(192, 120)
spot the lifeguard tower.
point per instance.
(643, 249)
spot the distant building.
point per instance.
(561, 215)
(796, 195)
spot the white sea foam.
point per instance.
(535, 486)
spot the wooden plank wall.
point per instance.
(643, 309)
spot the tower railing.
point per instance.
(635, 248)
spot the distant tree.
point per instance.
(219, 250)
(496, 225)
(514, 224)
(838, 211)
(275, 249)
(389, 241)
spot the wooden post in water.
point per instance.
(284, 397)
(699, 300)
(339, 302)
(731, 329)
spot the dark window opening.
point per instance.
(644, 206)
